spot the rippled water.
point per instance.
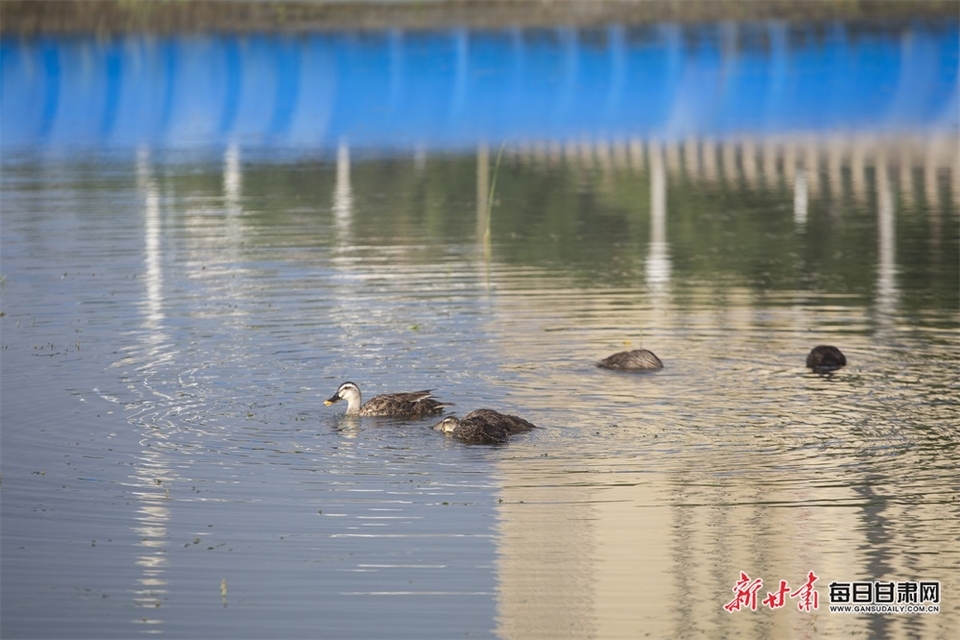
(172, 324)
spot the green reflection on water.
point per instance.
(840, 224)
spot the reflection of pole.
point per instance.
(835, 152)
(232, 193)
(800, 198)
(342, 193)
(930, 186)
(748, 162)
(232, 177)
(905, 174)
(710, 172)
(954, 160)
(771, 175)
(789, 162)
(483, 189)
(691, 158)
(620, 160)
(658, 195)
(857, 170)
(933, 206)
(491, 199)
(728, 162)
(147, 186)
(152, 468)
(811, 166)
(636, 155)
(886, 232)
(658, 259)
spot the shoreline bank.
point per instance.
(105, 17)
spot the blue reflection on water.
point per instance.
(457, 88)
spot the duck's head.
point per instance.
(347, 391)
(447, 425)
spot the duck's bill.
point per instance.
(330, 401)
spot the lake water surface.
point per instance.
(173, 319)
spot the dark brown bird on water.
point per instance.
(825, 358)
(636, 360)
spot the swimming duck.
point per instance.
(415, 404)
(637, 360)
(824, 358)
(484, 426)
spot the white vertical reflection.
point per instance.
(887, 293)
(657, 272)
(232, 178)
(152, 517)
(153, 469)
(342, 193)
(800, 198)
(483, 191)
(233, 201)
(147, 186)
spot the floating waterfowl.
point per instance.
(484, 426)
(636, 360)
(824, 358)
(415, 404)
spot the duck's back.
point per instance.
(501, 421)
(637, 360)
(481, 432)
(413, 404)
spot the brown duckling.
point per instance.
(636, 360)
(825, 358)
